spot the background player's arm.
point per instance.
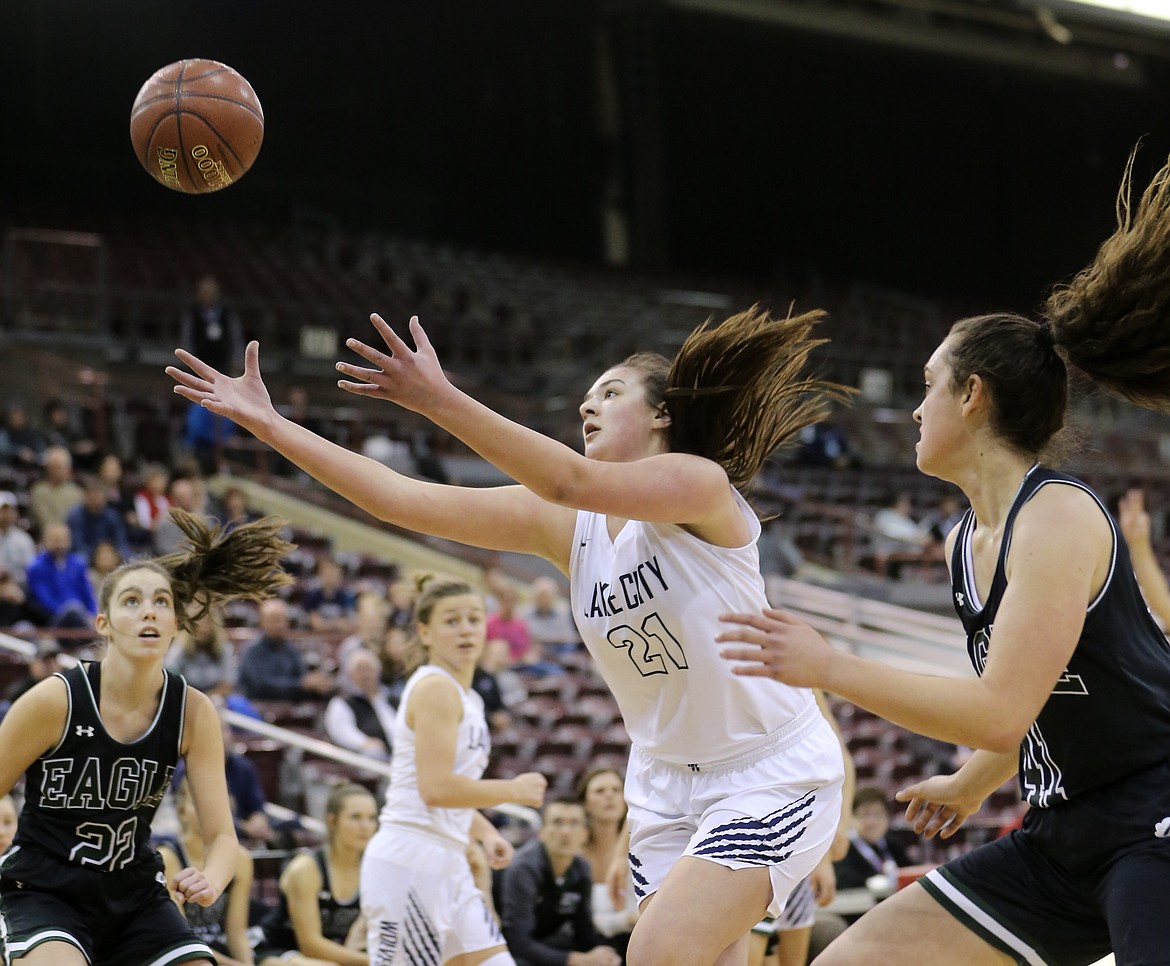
(32, 726)
(171, 868)
(235, 925)
(1135, 524)
(840, 847)
(203, 753)
(433, 713)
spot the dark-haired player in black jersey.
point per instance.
(98, 744)
(1073, 686)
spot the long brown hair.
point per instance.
(1111, 321)
(215, 566)
(737, 390)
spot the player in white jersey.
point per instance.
(418, 896)
(733, 788)
(1073, 685)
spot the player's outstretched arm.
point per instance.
(941, 804)
(1135, 524)
(1061, 553)
(203, 756)
(434, 712)
(499, 518)
(668, 488)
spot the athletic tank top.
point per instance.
(404, 805)
(91, 799)
(1109, 714)
(646, 605)
(207, 922)
(336, 916)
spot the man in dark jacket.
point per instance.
(545, 896)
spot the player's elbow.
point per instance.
(434, 794)
(1004, 736)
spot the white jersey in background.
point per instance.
(404, 806)
(647, 607)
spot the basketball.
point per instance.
(196, 126)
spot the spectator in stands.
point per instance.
(150, 502)
(328, 602)
(943, 519)
(54, 494)
(224, 924)
(361, 719)
(8, 820)
(44, 663)
(898, 539)
(61, 429)
(318, 920)
(600, 790)
(497, 684)
(871, 850)
(825, 444)
(103, 561)
(183, 493)
(17, 548)
(296, 409)
(94, 521)
(780, 557)
(205, 656)
(393, 655)
(21, 446)
(13, 600)
(505, 623)
(59, 590)
(545, 895)
(400, 594)
(121, 497)
(272, 668)
(1135, 525)
(210, 323)
(370, 616)
(235, 510)
(204, 435)
(546, 614)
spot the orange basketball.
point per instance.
(196, 126)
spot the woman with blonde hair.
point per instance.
(317, 921)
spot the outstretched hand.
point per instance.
(936, 806)
(776, 645)
(412, 378)
(243, 399)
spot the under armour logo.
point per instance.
(693, 767)
(960, 599)
(1162, 829)
(85, 731)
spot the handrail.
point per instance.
(325, 749)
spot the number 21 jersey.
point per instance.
(647, 607)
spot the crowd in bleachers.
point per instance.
(327, 659)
